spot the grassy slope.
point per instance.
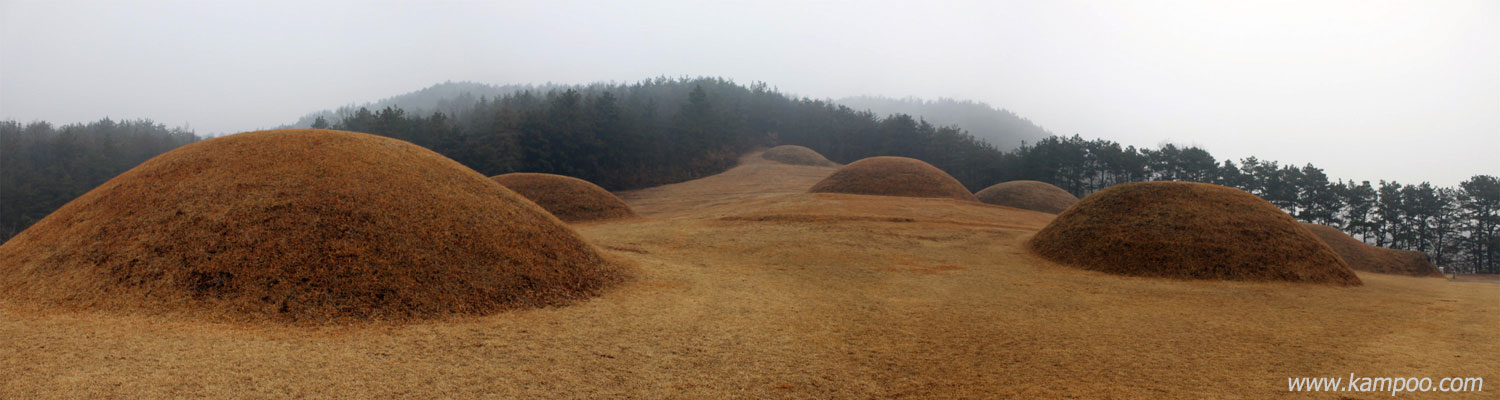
(787, 294)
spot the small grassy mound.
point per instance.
(570, 199)
(796, 155)
(1028, 195)
(304, 226)
(893, 176)
(1366, 257)
(1188, 231)
(1415, 263)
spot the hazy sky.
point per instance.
(1365, 89)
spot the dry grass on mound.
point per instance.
(301, 226)
(1416, 263)
(1028, 195)
(1188, 231)
(1365, 257)
(796, 155)
(570, 199)
(893, 176)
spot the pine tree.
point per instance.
(1316, 200)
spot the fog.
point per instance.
(1364, 89)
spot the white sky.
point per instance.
(1364, 89)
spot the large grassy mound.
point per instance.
(893, 176)
(1028, 195)
(796, 155)
(1365, 257)
(1188, 231)
(570, 199)
(301, 226)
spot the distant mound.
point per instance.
(1188, 230)
(301, 226)
(1365, 257)
(1415, 263)
(1028, 195)
(570, 199)
(893, 176)
(796, 155)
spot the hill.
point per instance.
(448, 97)
(998, 126)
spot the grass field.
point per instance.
(750, 288)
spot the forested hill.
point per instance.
(999, 127)
(447, 97)
(625, 136)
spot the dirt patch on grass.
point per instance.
(1366, 257)
(893, 176)
(1028, 195)
(1189, 231)
(301, 226)
(570, 199)
(796, 155)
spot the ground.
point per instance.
(749, 288)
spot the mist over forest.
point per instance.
(448, 97)
(999, 127)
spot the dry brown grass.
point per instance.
(797, 155)
(1365, 257)
(1189, 230)
(1490, 278)
(893, 176)
(1028, 195)
(795, 295)
(301, 226)
(570, 199)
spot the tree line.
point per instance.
(43, 166)
(664, 130)
(999, 127)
